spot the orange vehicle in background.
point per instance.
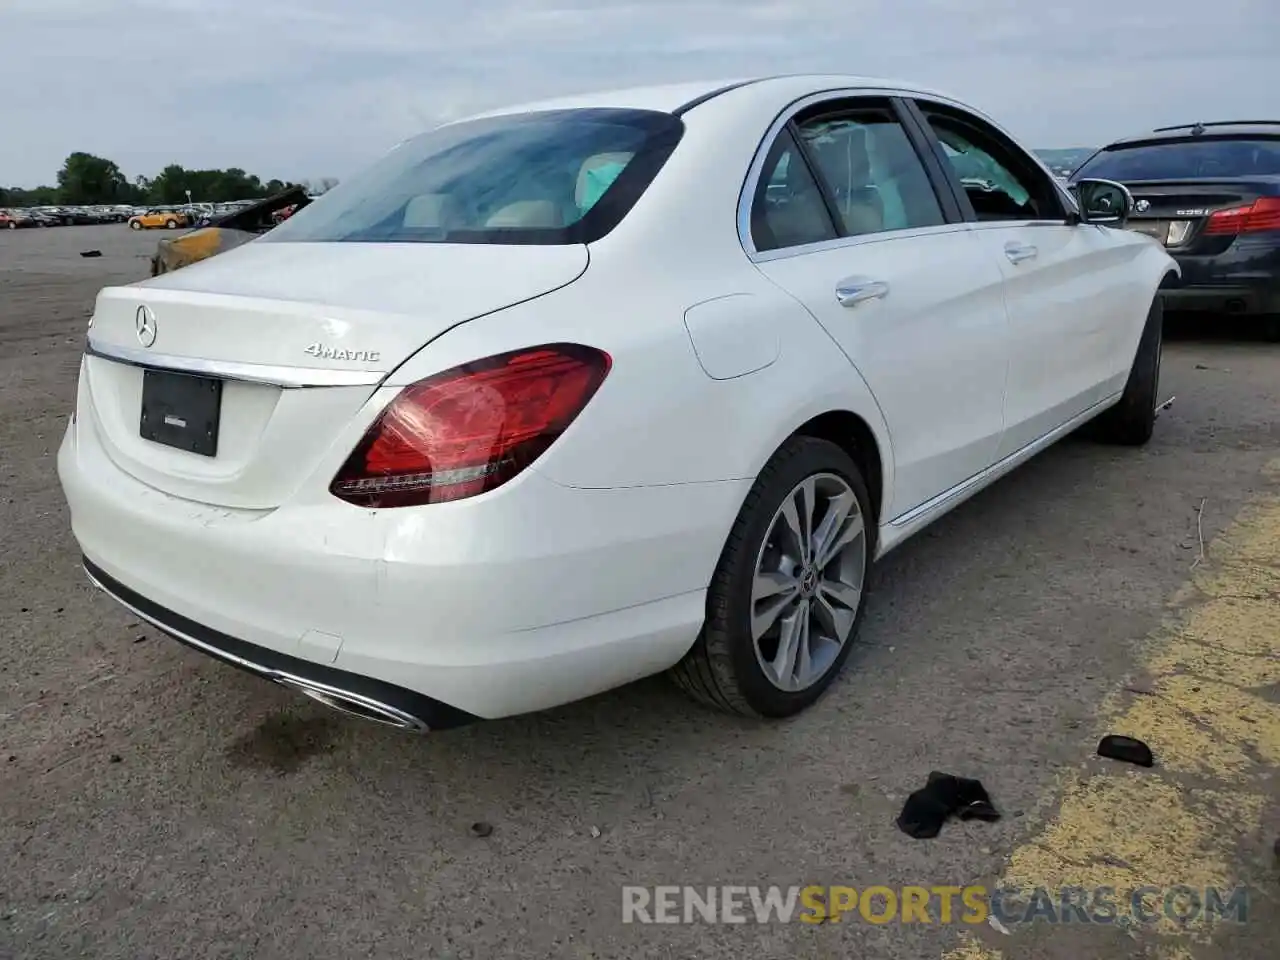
(160, 217)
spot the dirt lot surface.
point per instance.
(156, 804)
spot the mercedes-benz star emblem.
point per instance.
(1142, 206)
(144, 324)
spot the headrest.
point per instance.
(432, 210)
(531, 214)
(596, 175)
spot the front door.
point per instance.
(1069, 338)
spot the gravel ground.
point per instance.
(156, 804)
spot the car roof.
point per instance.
(1206, 128)
(679, 97)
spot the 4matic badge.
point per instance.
(325, 352)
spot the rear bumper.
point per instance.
(1244, 279)
(528, 597)
(1257, 299)
(383, 701)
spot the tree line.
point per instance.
(86, 180)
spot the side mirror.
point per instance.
(1103, 201)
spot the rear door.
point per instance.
(845, 217)
(1067, 286)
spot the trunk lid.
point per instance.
(1174, 212)
(295, 338)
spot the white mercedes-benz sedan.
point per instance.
(564, 395)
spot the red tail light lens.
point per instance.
(1262, 214)
(470, 429)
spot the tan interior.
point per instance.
(529, 214)
(430, 211)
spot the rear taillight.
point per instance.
(470, 429)
(1262, 214)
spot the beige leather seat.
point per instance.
(433, 211)
(528, 214)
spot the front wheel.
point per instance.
(171, 224)
(135, 225)
(1131, 422)
(787, 597)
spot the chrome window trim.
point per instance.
(747, 195)
(1019, 224)
(288, 378)
(865, 239)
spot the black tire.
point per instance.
(721, 669)
(135, 225)
(1131, 422)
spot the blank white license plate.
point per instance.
(1158, 229)
(1168, 232)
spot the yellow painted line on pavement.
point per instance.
(1212, 719)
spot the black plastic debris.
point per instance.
(1126, 749)
(90, 253)
(944, 796)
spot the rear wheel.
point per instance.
(786, 600)
(135, 225)
(1132, 421)
(170, 224)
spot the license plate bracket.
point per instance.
(180, 410)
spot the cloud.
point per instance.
(308, 88)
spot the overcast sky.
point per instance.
(311, 88)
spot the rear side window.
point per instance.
(1186, 160)
(552, 177)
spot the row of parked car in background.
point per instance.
(138, 218)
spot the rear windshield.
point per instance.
(1186, 160)
(553, 177)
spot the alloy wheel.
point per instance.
(808, 582)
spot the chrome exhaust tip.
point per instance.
(353, 704)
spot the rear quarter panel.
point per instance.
(660, 417)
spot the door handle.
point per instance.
(1017, 252)
(855, 290)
